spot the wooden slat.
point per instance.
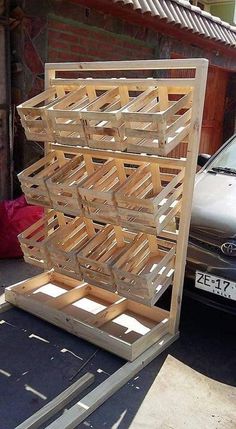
(87, 405)
(58, 403)
(127, 157)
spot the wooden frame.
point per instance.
(145, 269)
(160, 336)
(121, 326)
(198, 85)
(99, 255)
(157, 126)
(103, 123)
(65, 245)
(34, 114)
(97, 192)
(34, 240)
(33, 179)
(169, 114)
(66, 119)
(150, 199)
(63, 186)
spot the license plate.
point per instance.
(216, 285)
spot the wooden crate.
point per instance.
(150, 198)
(118, 325)
(33, 179)
(34, 240)
(98, 191)
(63, 186)
(34, 114)
(65, 245)
(146, 269)
(65, 116)
(98, 256)
(103, 123)
(154, 123)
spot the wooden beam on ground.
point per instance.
(80, 411)
(45, 413)
(4, 306)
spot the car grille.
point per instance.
(211, 247)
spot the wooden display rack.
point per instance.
(148, 117)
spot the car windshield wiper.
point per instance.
(226, 170)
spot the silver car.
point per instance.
(211, 260)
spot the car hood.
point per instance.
(214, 206)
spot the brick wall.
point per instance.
(61, 31)
(70, 40)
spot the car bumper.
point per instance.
(204, 260)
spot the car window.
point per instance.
(226, 158)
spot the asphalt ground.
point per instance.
(38, 360)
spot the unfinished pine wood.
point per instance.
(34, 240)
(128, 157)
(66, 119)
(156, 123)
(34, 114)
(145, 269)
(58, 403)
(87, 405)
(65, 245)
(98, 191)
(170, 112)
(192, 154)
(33, 179)
(101, 317)
(63, 186)
(150, 199)
(103, 124)
(98, 256)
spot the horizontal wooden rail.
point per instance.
(128, 157)
(129, 65)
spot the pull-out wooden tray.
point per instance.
(104, 318)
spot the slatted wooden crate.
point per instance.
(98, 256)
(33, 179)
(63, 186)
(65, 245)
(98, 191)
(146, 269)
(34, 240)
(154, 123)
(118, 325)
(103, 123)
(65, 116)
(150, 198)
(34, 114)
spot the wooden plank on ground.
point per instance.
(4, 306)
(57, 403)
(82, 409)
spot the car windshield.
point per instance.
(226, 159)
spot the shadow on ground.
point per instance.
(38, 361)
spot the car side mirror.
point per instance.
(202, 159)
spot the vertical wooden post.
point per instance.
(192, 153)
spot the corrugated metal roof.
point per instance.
(188, 17)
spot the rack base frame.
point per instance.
(116, 324)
